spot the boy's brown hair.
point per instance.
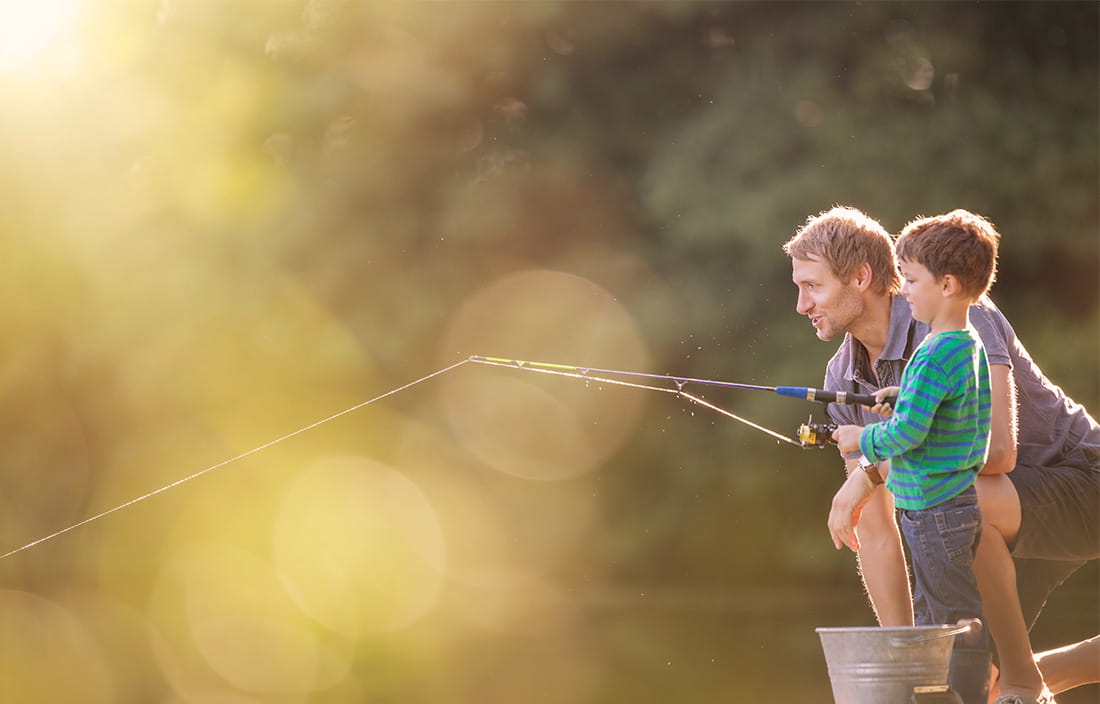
(844, 238)
(959, 243)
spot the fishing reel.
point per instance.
(811, 434)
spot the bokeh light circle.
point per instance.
(526, 424)
(40, 640)
(220, 616)
(359, 547)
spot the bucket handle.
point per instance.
(965, 625)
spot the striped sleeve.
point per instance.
(923, 386)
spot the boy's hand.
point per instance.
(847, 508)
(885, 397)
(847, 438)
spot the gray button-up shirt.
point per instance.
(1053, 428)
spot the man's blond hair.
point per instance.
(844, 238)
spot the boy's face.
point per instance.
(831, 304)
(923, 290)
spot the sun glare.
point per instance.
(37, 35)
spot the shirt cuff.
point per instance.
(866, 445)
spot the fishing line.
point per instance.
(545, 366)
(540, 367)
(583, 373)
(701, 402)
(223, 463)
(802, 392)
(572, 372)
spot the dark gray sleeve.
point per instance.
(847, 414)
(839, 413)
(990, 324)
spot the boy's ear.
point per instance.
(950, 285)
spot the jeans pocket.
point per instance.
(959, 528)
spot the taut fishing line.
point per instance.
(231, 460)
(809, 435)
(583, 373)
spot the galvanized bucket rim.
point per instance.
(883, 629)
(903, 636)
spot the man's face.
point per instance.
(831, 304)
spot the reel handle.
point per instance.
(816, 434)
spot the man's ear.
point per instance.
(862, 277)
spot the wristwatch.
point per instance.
(871, 468)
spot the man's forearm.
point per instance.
(1002, 430)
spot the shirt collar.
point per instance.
(901, 329)
(899, 339)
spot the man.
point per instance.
(1039, 490)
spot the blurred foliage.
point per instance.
(227, 220)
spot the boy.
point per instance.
(938, 435)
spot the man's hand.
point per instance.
(847, 508)
(883, 407)
(847, 438)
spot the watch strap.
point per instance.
(871, 469)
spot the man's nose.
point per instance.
(804, 304)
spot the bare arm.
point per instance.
(1002, 434)
(847, 508)
(882, 559)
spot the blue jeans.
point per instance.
(942, 541)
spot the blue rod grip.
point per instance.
(793, 391)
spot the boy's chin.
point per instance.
(919, 316)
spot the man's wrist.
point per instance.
(870, 469)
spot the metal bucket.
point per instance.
(882, 665)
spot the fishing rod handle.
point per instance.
(831, 396)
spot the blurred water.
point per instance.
(760, 645)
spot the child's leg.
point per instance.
(943, 541)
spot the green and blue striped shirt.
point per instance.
(938, 436)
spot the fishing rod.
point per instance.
(808, 435)
(801, 392)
